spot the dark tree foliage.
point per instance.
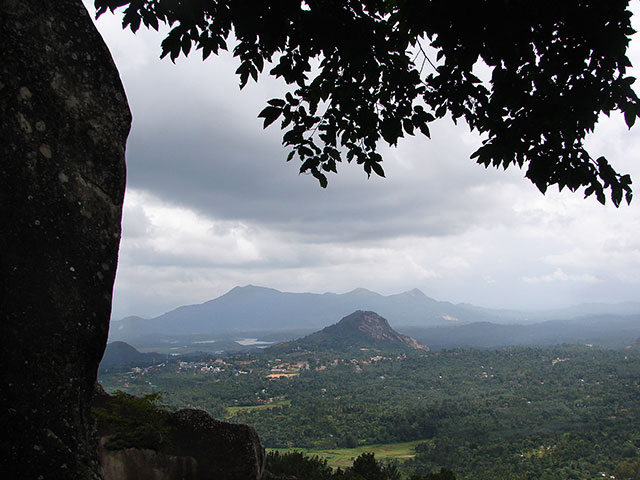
(443, 474)
(298, 465)
(134, 422)
(362, 71)
(366, 467)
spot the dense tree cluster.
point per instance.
(365, 467)
(133, 422)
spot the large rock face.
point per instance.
(192, 445)
(64, 125)
(145, 464)
(205, 449)
(223, 450)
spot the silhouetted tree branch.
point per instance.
(555, 66)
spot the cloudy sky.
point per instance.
(211, 204)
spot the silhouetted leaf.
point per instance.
(378, 169)
(270, 115)
(630, 118)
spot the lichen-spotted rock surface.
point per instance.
(64, 124)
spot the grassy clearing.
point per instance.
(231, 411)
(343, 457)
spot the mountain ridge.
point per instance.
(253, 307)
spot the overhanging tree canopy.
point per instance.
(555, 66)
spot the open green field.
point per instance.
(231, 411)
(343, 457)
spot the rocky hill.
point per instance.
(361, 329)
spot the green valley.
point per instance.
(344, 457)
(552, 412)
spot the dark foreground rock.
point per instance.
(192, 444)
(222, 450)
(64, 125)
(146, 464)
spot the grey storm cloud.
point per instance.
(438, 222)
(197, 142)
(231, 173)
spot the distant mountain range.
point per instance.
(258, 308)
(361, 329)
(610, 331)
